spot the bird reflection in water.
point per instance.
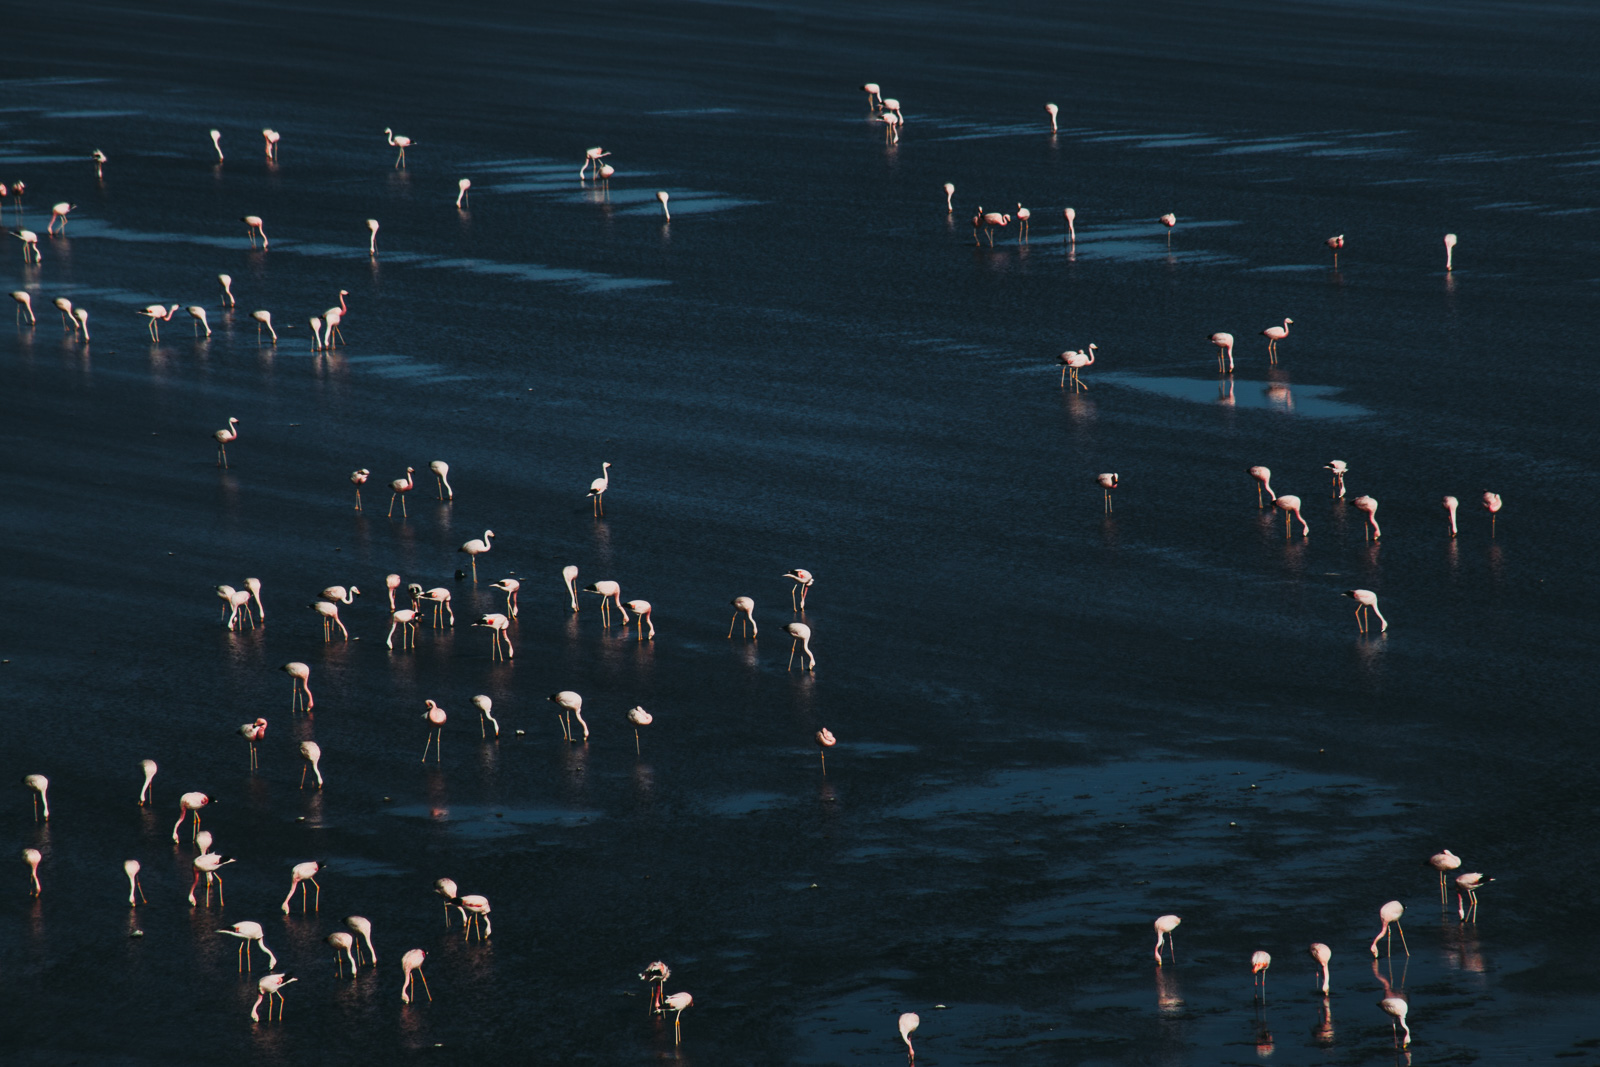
(1280, 395)
(1169, 997)
(1461, 947)
(1225, 393)
(1322, 1033)
(644, 781)
(438, 796)
(1264, 1045)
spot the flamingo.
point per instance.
(1274, 334)
(405, 620)
(464, 186)
(1164, 927)
(227, 290)
(1263, 477)
(485, 711)
(803, 581)
(992, 219)
(1366, 598)
(1052, 111)
(271, 137)
(311, 754)
(401, 143)
(330, 619)
(891, 104)
(253, 732)
(236, 598)
(743, 605)
(82, 318)
(401, 486)
(639, 717)
(372, 240)
(358, 479)
(254, 587)
(572, 704)
(64, 306)
(1073, 362)
(891, 125)
(30, 246)
(1335, 243)
(412, 961)
(332, 318)
(447, 888)
(216, 142)
(341, 594)
(131, 869)
(909, 1021)
(1289, 504)
(1107, 482)
(1442, 862)
(157, 313)
(24, 303)
(363, 929)
(250, 934)
(439, 597)
(1339, 468)
(1072, 217)
(1169, 220)
(436, 719)
(676, 1003)
(498, 625)
(1368, 505)
(656, 974)
(662, 196)
(198, 314)
(147, 793)
(510, 587)
(608, 592)
(441, 475)
(598, 487)
(187, 803)
(592, 158)
(1469, 884)
(1491, 504)
(393, 580)
(316, 334)
(252, 226)
(41, 794)
(1450, 504)
(802, 639)
(1321, 954)
(1023, 215)
(1397, 1008)
(949, 198)
(1389, 915)
(641, 613)
(299, 875)
(209, 864)
(475, 548)
(873, 92)
(270, 986)
(33, 857)
(569, 577)
(264, 318)
(1449, 251)
(1224, 343)
(342, 943)
(475, 914)
(1259, 962)
(202, 842)
(59, 213)
(825, 740)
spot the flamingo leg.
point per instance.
(425, 988)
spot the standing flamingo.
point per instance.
(436, 719)
(1469, 884)
(463, 186)
(252, 226)
(475, 548)
(156, 313)
(569, 578)
(24, 303)
(59, 213)
(1397, 1008)
(253, 732)
(825, 740)
(198, 314)
(131, 869)
(439, 597)
(1263, 477)
(662, 196)
(1107, 482)
(401, 486)
(1169, 220)
(401, 143)
(447, 888)
(147, 793)
(311, 754)
(393, 582)
(1024, 216)
(1449, 251)
(1321, 954)
(441, 475)
(412, 961)
(1335, 243)
(299, 875)
(485, 708)
(641, 614)
(330, 619)
(676, 1003)
(656, 974)
(30, 246)
(639, 717)
(216, 143)
(475, 915)
(100, 161)
(1224, 343)
(1339, 468)
(300, 675)
(33, 857)
(362, 927)
(1073, 362)
(570, 703)
(82, 318)
(271, 138)
(498, 626)
(1071, 218)
(264, 318)
(1164, 927)
(316, 334)
(598, 487)
(874, 95)
(250, 934)
(1274, 334)
(187, 803)
(1289, 504)
(949, 198)
(743, 605)
(802, 639)
(991, 219)
(41, 794)
(1442, 862)
(358, 479)
(1492, 504)
(891, 125)
(1370, 506)
(1259, 962)
(1450, 504)
(1389, 915)
(270, 986)
(227, 290)
(64, 306)
(1052, 111)
(1366, 598)
(372, 240)
(608, 592)
(209, 864)
(343, 944)
(405, 620)
(909, 1021)
(592, 158)
(803, 581)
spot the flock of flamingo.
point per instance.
(406, 608)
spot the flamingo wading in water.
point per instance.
(802, 640)
(401, 143)
(1274, 334)
(1164, 927)
(475, 548)
(1365, 599)
(401, 487)
(1263, 477)
(1389, 915)
(1289, 504)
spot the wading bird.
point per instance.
(227, 290)
(639, 717)
(264, 318)
(1389, 915)
(401, 487)
(499, 627)
(909, 1021)
(1335, 243)
(1224, 343)
(1164, 927)
(641, 615)
(1071, 218)
(59, 213)
(300, 678)
(1397, 1008)
(30, 246)
(676, 1004)
(362, 927)
(216, 142)
(343, 944)
(485, 708)
(475, 548)
(270, 986)
(1321, 954)
(1169, 220)
(439, 597)
(570, 704)
(1469, 884)
(252, 227)
(372, 239)
(131, 869)
(1274, 334)
(147, 793)
(510, 587)
(1450, 505)
(1492, 504)
(299, 875)
(1289, 504)
(592, 158)
(189, 802)
(330, 619)
(743, 605)
(1443, 862)
(656, 974)
(803, 581)
(598, 487)
(1263, 477)
(249, 935)
(24, 304)
(198, 315)
(874, 95)
(409, 963)
(1369, 506)
(1024, 216)
(1259, 962)
(1366, 598)
(40, 785)
(1107, 482)
(405, 620)
(358, 479)
(209, 864)
(33, 857)
(475, 915)
(156, 313)
(253, 732)
(802, 639)
(569, 577)
(271, 137)
(441, 475)
(311, 755)
(608, 592)
(401, 143)
(949, 198)
(1073, 362)
(662, 196)
(1449, 251)
(436, 719)
(825, 740)
(1052, 111)
(464, 186)
(1339, 468)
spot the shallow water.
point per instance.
(1055, 723)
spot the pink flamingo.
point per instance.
(1491, 504)
(475, 548)
(436, 720)
(131, 869)
(1023, 217)
(311, 756)
(300, 675)
(510, 587)
(1290, 505)
(197, 316)
(1164, 927)
(358, 479)
(253, 732)
(401, 143)
(271, 137)
(33, 857)
(1335, 243)
(330, 619)
(1370, 506)
(59, 214)
(1107, 482)
(249, 935)
(949, 198)
(157, 313)
(264, 318)
(401, 487)
(1072, 217)
(1263, 477)
(825, 740)
(412, 962)
(1224, 343)
(441, 476)
(1339, 468)
(1450, 504)
(342, 943)
(1321, 954)
(227, 290)
(743, 605)
(209, 864)
(1274, 334)
(224, 437)
(607, 592)
(1389, 915)
(891, 125)
(656, 974)
(1073, 362)
(463, 187)
(485, 708)
(41, 793)
(662, 196)
(1469, 884)
(498, 626)
(405, 620)
(299, 875)
(909, 1021)
(372, 242)
(1169, 220)
(571, 704)
(362, 927)
(992, 219)
(392, 581)
(641, 614)
(676, 1003)
(270, 986)
(1442, 862)
(147, 793)
(30, 246)
(598, 487)
(569, 578)
(216, 142)
(592, 158)
(187, 803)
(24, 304)
(1449, 251)
(873, 92)
(803, 580)
(1397, 1009)
(1052, 111)
(802, 639)
(1365, 599)
(475, 911)
(252, 226)
(639, 717)
(1259, 962)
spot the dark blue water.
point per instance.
(1054, 724)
